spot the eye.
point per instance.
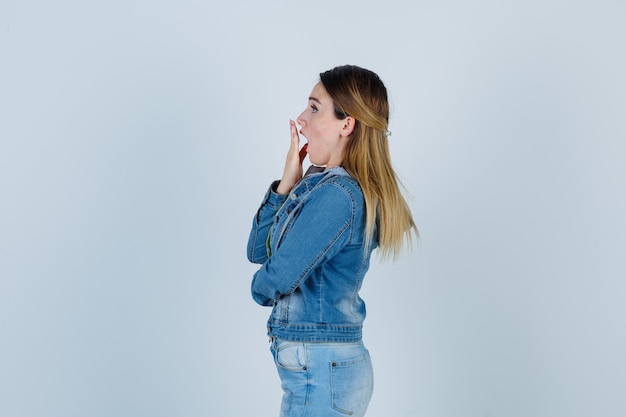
(313, 108)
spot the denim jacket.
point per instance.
(311, 247)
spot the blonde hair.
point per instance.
(360, 93)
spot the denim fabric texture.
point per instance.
(310, 244)
(323, 379)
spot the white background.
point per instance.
(138, 138)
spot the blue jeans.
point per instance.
(323, 379)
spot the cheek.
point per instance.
(318, 131)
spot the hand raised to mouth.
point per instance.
(293, 164)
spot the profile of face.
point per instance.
(326, 135)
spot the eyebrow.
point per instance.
(315, 100)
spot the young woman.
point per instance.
(313, 237)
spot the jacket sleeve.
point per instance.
(261, 224)
(321, 230)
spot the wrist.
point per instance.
(283, 187)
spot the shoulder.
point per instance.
(341, 178)
(336, 198)
(338, 182)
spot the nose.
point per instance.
(301, 120)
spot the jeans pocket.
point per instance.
(352, 384)
(290, 356)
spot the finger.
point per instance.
(295, 138)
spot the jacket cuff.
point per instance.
(272, 198)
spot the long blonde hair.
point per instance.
(360, 93)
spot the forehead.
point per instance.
(320, 94)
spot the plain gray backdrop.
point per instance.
(138, 138)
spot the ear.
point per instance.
(348, 126)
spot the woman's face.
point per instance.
(324, 133)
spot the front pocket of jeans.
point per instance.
(350, 384)
(291, 356)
